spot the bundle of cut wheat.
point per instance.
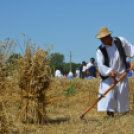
(34, 78)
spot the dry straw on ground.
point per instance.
(32, 102)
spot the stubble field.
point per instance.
(63, 110)
(33, 102)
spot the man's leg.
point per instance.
(123, 96)
(107, 103)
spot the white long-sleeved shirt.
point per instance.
(70, 74)
(115, 61)
(77, 73)
(58, 73)
(89, 65)
(84, 68)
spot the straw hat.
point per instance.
(103, 32)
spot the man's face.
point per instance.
(106, 40)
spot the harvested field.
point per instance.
(32, 102)
(62, 111)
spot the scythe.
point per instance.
(116, 81)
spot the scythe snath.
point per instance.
(116, 81)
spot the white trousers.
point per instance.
(117, 99)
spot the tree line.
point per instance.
(57, 61)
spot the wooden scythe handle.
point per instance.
(116, 81)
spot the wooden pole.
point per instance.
(70, 62)
(116, 81)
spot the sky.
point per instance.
(69, 25)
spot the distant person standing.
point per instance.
(84, 70)
(91, 67)
(81, 74)
(77, 73)
(70, 75)
(58, 73)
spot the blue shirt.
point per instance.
(90, 77)
(129, 74)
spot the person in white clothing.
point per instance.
(70, 75)
(91, 63)
(91, 68)
(111, 57)
(77, 73)
(84, 70)
(58, 73)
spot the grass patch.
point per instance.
(71, 90)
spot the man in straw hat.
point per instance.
(111, 57)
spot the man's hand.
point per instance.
(113, 74)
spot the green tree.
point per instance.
(57, 58)
(74, 66)
(66, 67)
(13, 61)
(56, 62)
(13, 58)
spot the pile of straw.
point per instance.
(34, 78)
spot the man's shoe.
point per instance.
(110, 114)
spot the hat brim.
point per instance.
(103, 35)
